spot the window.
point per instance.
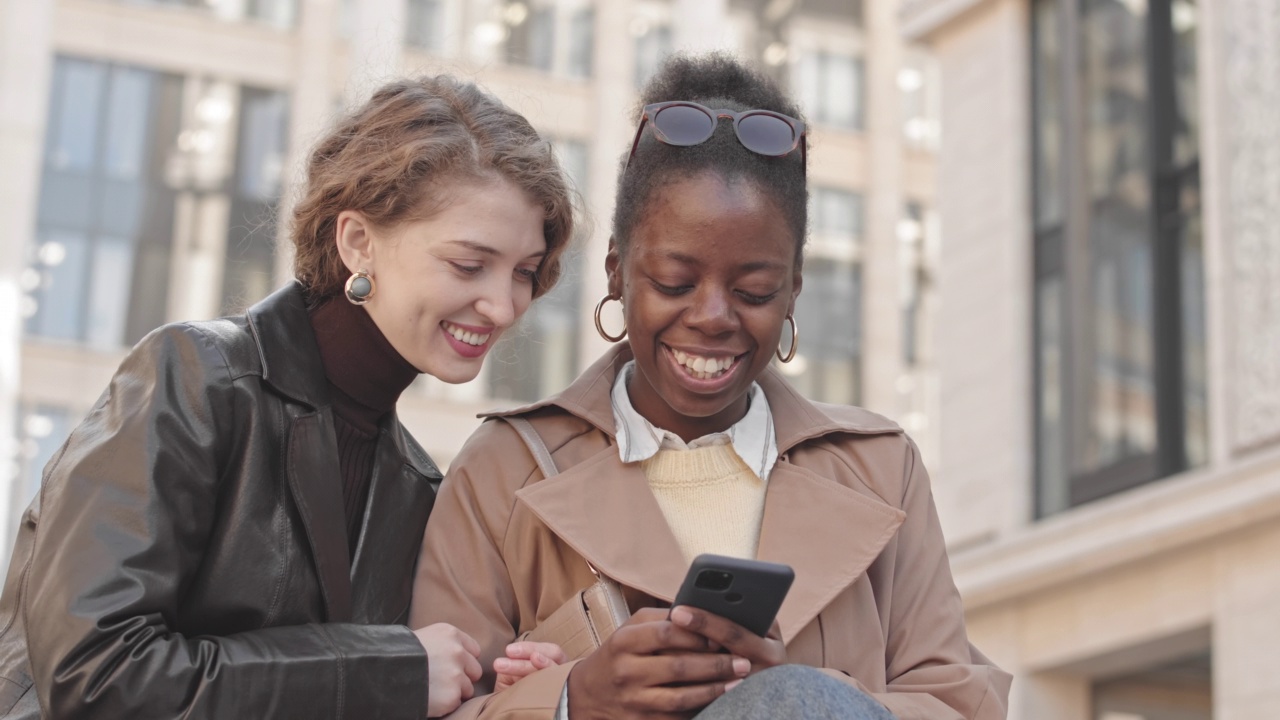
(916, 282)
(276, 13)
(653, 45)
(249, 270)
(1181, 690)
(581, 42)
(1119, 338)
(424, 24)
(831, 88)
(532, 39)
(918, 84)
(828, 365)
(106, 214)
(549, 35)
(540, 355)
(43, 429)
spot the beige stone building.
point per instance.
(1109, 348)
(148, 149)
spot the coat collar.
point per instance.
(281, 329)
(287, 347)
(796, 418)
(828, 532)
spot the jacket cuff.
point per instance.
(382, 671)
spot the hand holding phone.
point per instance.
(747, 592)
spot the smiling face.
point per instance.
(446, 287)
(706, 281)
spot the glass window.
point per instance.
(43, 429)
(653, 45)
(1123, 402)
(276, 13)
(424, 24)
(540, 355)
(918, 84)
(581, 42)
(1181, 690)
(828, 365)
(249, 270)
(104, 225)
(531, 41)
(832, 88)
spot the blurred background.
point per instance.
(1045, 240)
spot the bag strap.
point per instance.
(541, 455)
(537, 447)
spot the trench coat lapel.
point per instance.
(314, 481)
(606, 512)
(291, 364)
(828, 533)
(400, 499)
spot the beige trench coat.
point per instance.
(848, 506)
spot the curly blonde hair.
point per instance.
(413, 137)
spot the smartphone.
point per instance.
(748, 592)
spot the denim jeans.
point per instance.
(794, 691)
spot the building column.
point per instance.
(613, 97)
(985, 275)
(882, 310)
(311, 108)
(26, 61)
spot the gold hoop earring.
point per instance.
(359, 287)
(795, 342)
(600, 325)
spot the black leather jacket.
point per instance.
(187, 554)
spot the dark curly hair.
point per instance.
(716, 80)
(397, 155)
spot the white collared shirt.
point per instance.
(753, 437)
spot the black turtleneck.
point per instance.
(366, 376)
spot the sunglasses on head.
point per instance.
(682, 123)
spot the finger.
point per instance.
(468, 690)
(688, 668)
(735, 638)
(660, 636)
(519, 650)
(469, 643)
(683, 699)
(514, 668)
(471, 667)
(503, 681)
(540, 661)
(550, 651)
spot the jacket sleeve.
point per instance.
(127, 509)
(462, 576)
(932, 671)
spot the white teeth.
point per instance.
(702, 368)
(469, 338)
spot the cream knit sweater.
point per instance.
(711, 499)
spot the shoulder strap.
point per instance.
(542, 456)
(536, 446)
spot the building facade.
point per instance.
(1109, 348)
(151, 148)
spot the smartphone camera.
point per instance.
(714, 580)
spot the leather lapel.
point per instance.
(317, 492)
(400, 499)
(828, 533)
(606, 512)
